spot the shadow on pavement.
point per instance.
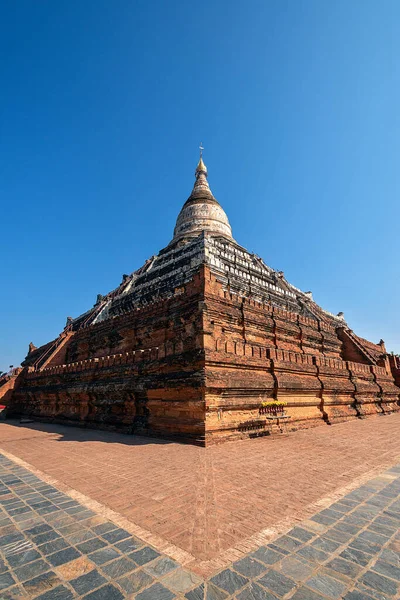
(72, 433)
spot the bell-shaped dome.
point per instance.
(201, 211)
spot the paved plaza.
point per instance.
(313, 515)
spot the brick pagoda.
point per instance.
(193, 343)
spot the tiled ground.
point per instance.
(313, 515)
(210, 504)
(54, 548)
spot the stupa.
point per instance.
(196, 344)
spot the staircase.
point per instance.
(52, 350)
(359, 346)
(362, 348)
(91, 317)
(4, 378)
(8, 382)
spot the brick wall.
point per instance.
(199, 364)
(151, 383)
(257, 352)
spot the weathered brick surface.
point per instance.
(151, 383)
(257, 352)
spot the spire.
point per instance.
(201, 167)
(201, 189)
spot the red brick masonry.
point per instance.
(199, 365)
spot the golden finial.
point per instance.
(201, 167)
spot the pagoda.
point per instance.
(197, 342)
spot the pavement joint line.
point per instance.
(269, 534)
(324, 570)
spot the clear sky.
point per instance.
(102, 108)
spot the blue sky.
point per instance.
(102, 108)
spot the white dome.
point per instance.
(202, 212)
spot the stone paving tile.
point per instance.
(325, 544)
(22, 558)
(328, 586)
(88, 582)
(63, 556)
(278, 549)
(129, 545)
(380, 583)
(155, 592)
(266, 555)
(301, 534)
(391, 557)
(53, 546)
(104, 528)
(196, 594)
(42, 583)
(255, 592)
(161, 567)
(249, 567)
(181, 580)
(144, 556)
(313, 554)
(115, 536)
(304, 593)
(104, 555)
(58, 593)
(118, 567)
(136, 581)
(107, 592)
(80, 536)
(91, 545)
(76, 568)
(357, 595)
(6, 580)
(229, 581)
(387, 569)
(277, 583)
(212, 592)
(288, 543)
(295, 569)
(345, 567)
(32, 569)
